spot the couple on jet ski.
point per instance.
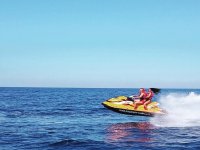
(144, 98)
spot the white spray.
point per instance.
(183, 110)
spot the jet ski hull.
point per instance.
(119, 104)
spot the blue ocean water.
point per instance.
(73, 118)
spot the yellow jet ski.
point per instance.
(121, 104)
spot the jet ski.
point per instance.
(122, 104)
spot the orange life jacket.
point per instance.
(150, 95)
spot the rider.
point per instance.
(142, 98)
(148, 98)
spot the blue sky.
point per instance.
(100, 43)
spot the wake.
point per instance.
(183, 111)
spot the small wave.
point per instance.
(2, 117)
(71, 142)
(58, 113)
(66, 109)
(15, 113)
(66, 142)
(183, 110)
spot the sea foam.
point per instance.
(183, 110)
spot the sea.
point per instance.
(75, 119)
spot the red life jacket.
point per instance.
(150, 95)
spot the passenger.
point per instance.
(142, 98)
(150, 95)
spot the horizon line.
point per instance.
(91, 87)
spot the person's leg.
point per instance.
(137, 104)
(146, 103)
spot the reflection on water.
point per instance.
(130, 132)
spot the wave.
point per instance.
(67, 142)
(73, 142)
(183, 110)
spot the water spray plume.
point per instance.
(183, 110)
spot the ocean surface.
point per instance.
(73, 119)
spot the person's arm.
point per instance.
(148, 95)
(141, 95)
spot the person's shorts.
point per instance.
(143, 101)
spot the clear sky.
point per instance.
(100, 43)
